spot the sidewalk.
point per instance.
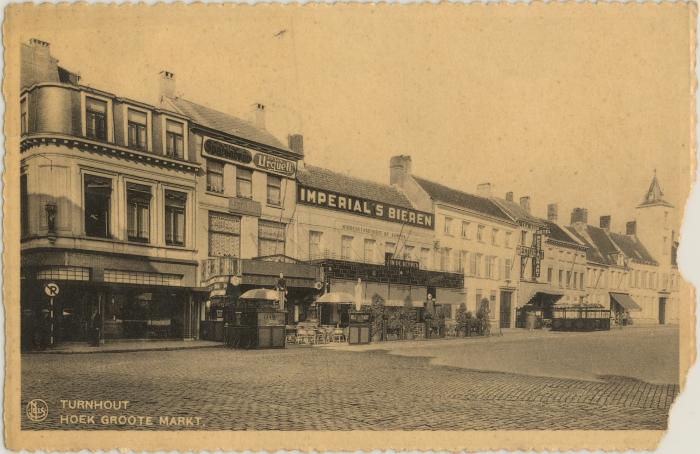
(128, 346)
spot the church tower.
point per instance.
(655, 226)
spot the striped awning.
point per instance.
(626, 301)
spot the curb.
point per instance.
(121, 350)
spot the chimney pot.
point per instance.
(296, 143)
(605, 222)
(484, 189)
(631, 228)
(509, 196)
(38, 42)
(579, 215)
(400, 168)
(167, 84)
(525, 203)
(552, 212)
(259, 115)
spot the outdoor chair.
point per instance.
(304, 336)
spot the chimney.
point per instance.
(631, 228)
(605, 223)
(296, 143)
(552, 212)
(399, 169)
(509, 196)
(525, 203)
(167, 84)
(579, 215)
(37, 65)
(484, 189)
(259, 115)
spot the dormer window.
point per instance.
(137, 122)
(174, 139)
(95, 118)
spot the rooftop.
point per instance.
(441, 193)
(633, 248)
(654, 195)
(600, 246)
(557, 233)
(328, 180)
(226, 123)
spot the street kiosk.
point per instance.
(255, 321)
(359, 327)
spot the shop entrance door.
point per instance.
(506, 298)
(662, 311)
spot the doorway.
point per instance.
(662, 311)
(506, 298)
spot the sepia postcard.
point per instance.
(347, 227)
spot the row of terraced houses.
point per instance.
(146, 215)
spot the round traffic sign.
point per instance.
(51, 289)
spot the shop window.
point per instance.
(480, 233)
(224, 235)
(63, 273)
(215, 176)
(465, 230)
(24, 205)
(175, 204)
(136, 126)
(24, 116)
(138, 212)
(271, 238)
(96, 118)
(174, 139)
(346, 247)
(274, 190)
(98, 195)
(314, 244)
(244, 183)
(369, 251)
(142, 278)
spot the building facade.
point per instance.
(370, 242)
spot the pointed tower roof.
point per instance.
(654, 195)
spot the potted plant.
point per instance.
(461, 319)
(376, 311)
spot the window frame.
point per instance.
(319, 253)
(211, 213)
(343, 255)
(148, 127)
(138, 239)
(480, 233)
(109, 117)
(271, 178)
(109, 223)
(465, 230)
(164, 137)
(239, 171)
(447, 226)
(209, 171)
(283, 240)
(185, 210)
(24, 204)
(24, 116)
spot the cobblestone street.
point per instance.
(328, 389)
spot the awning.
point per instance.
(545, 298)
(626, 301)
(336, 298)
(260, 294)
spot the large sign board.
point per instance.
(363, 207)
(237, 155)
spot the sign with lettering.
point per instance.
(363, 207)
(242, 156)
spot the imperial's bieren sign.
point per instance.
(364, 207)
(239, 155)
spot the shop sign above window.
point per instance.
(239, 155)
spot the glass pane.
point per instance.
(223, 245)
(180, 232)
(225, 223)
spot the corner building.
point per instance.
(108, 205)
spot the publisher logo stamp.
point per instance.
(37, 410)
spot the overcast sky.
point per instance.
(574, 112)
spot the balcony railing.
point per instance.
(220, 266)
